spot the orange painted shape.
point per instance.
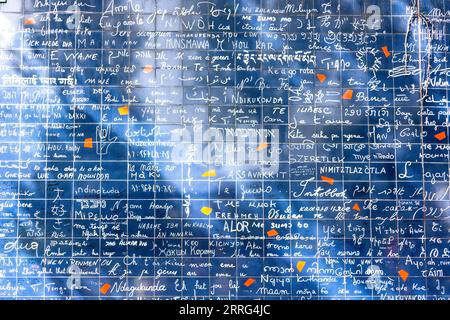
(386, 51)
(29, 21)
(249, 282)
(356, 207)
(262, 146)
(88, 143)
(440, 136)
(301, 265)
(321, 77)
(272, 233)
(123, 110)
(104, 288)
(148, 68)
(348, 95)
(403, 274)
(327, 180)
